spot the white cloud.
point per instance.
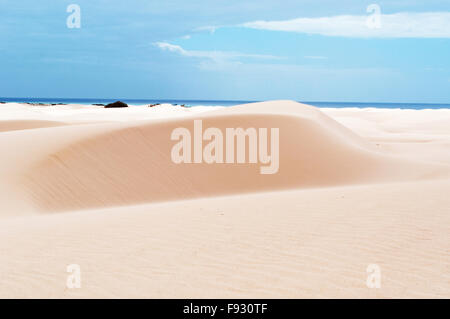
(218, 56)
(398, 25)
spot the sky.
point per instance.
(304, 50)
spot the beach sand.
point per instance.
(97, 188)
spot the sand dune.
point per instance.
(131, 164)
(292, 244)
(354, 187)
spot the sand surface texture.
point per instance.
(98, 188)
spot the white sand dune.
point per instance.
(354, 187)
(122, 164)
(293, 244)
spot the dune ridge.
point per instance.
(131, 164)
(354, 188)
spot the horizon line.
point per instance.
(214, 100)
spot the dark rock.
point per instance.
(98, 104)
(152, 105)
(36, 104)
(116, 104)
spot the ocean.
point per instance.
(415, 106)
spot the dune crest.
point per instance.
(355, 188)
(132, 164)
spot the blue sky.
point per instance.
(227, 49)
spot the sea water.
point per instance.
(187, 102)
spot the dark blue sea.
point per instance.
(416, 106)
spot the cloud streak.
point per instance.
(397, 25)
(217, 56)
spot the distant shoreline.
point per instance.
(190, 103)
